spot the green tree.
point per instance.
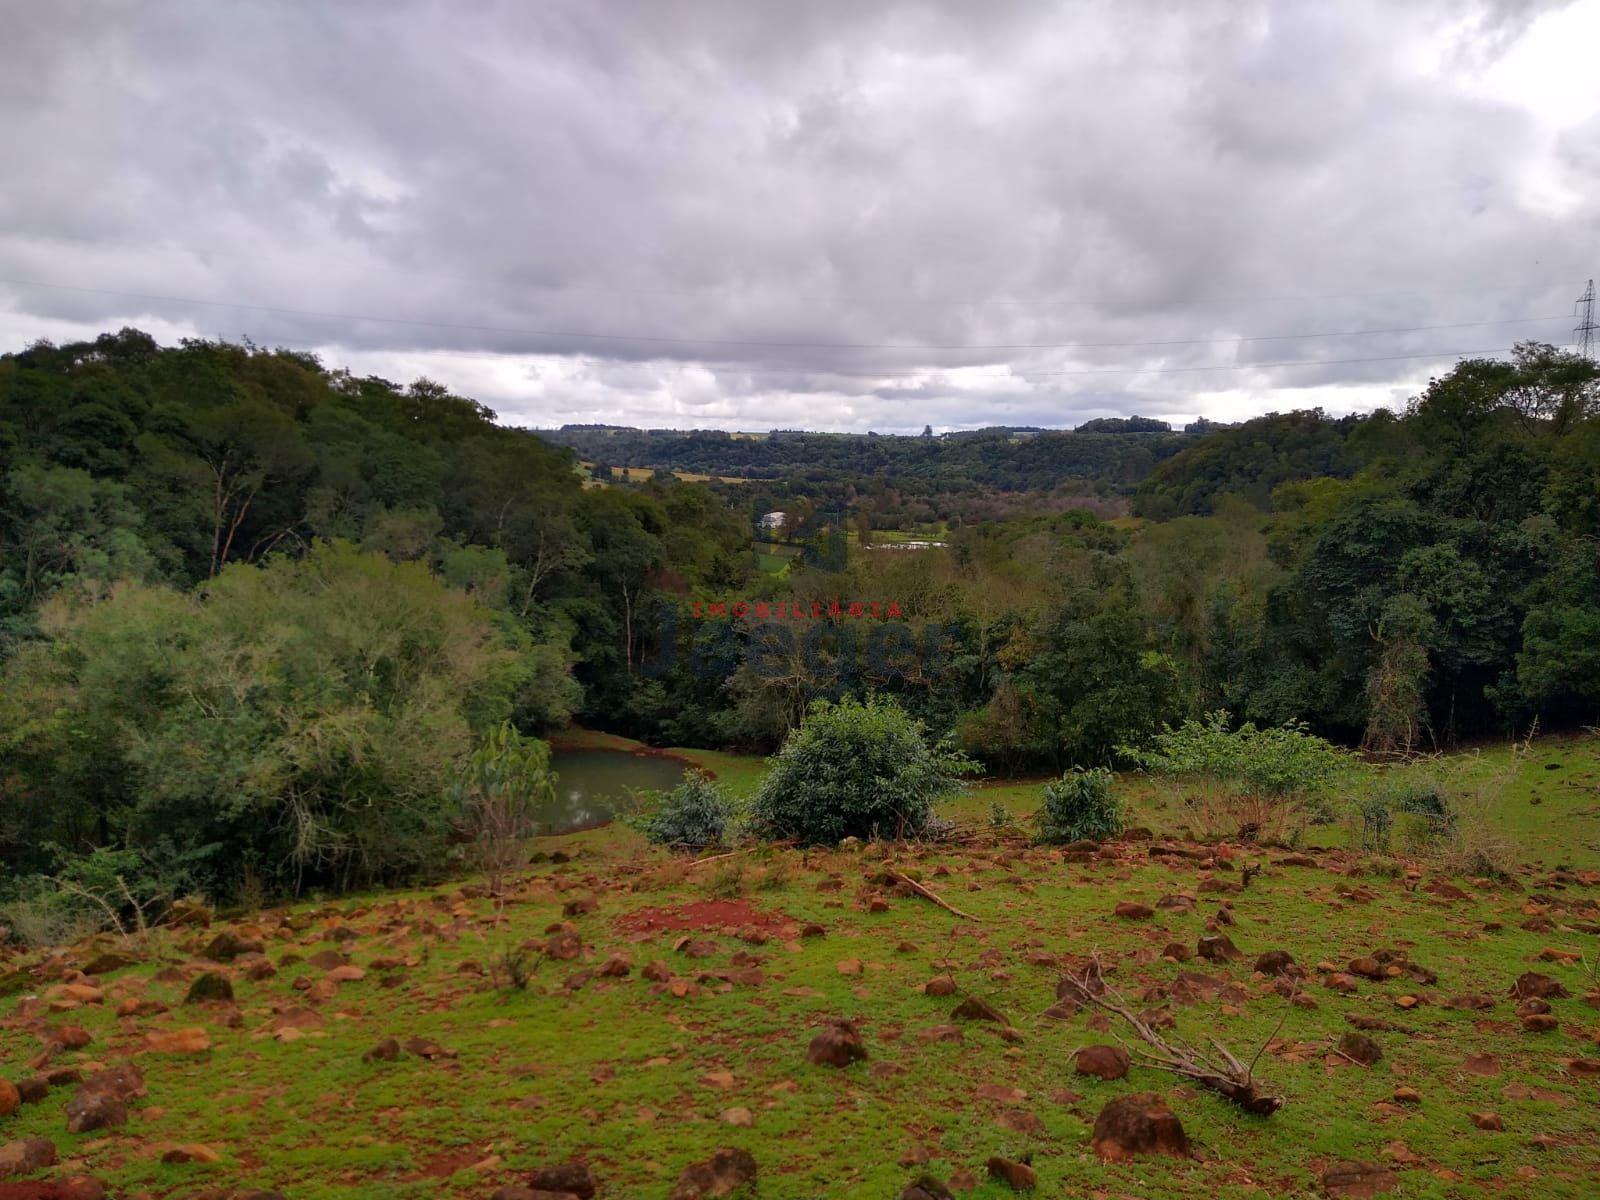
(857, 768)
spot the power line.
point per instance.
(655, 339)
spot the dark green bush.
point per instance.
(1080, 806)
(693, 815)
(857, 769)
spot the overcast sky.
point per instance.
(833, 214)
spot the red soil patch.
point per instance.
(35, 1191)
(702, 914)
(442, 1166)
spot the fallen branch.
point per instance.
(928, 894)
(1217, 1070)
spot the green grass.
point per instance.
(614, 1071)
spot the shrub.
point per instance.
(497, 794)
(858, 768)
(1080, 806)
(693, 815)
(1267, 782)
(294, 720)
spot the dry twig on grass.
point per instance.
(1217, 1069)
(928, 894)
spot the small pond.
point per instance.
(592, 786)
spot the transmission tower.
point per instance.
(1583, 334)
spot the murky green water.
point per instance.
(592, 786)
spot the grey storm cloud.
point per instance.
(834, 214)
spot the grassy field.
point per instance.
(643, 1073)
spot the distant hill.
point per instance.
(1009, 458)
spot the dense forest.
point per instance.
(998, 458)
(252, 610)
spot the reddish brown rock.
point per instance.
(29, 1154)
(1104, 1062)
(1019, 1177)
(570, 1177)
(976, 1008)
(89, 1110)
(838, 1045)
(1358, 1180)
(385, 1051)
(1132, 910)
(227, 946)
(1360, 1048)
(1488, 1121)
(10, 1098)
(1138, 1124)
(724, 1173)
(564, 946)
(1276, 962)
(1531, 985)
(1218, 948)
(940, 985)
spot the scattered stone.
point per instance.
(1177, 952)
(976, 1008)
(1532, 986)
(426, 1048)
(1368, 968)
(738, 1115)
(564, 946)
(192, 1039)
(104, 964)
(1276, 962)
(1104, 1062)
(29, 1154)
(926, 1188)
(32, 1090)
(1133, 911)
(10, 1098)
(191, 1152)
(1218, 948)
(1019, 1177)
(571, 1177)
(1406, 1095)
(1138, 1124)
(1360, 1048)
(385, 1051)
(210, 987)
(227, 946)
(124, 1081)
(940, 985)
(1358, 1180)
(724, 1173)
(838, 1045)
(91, 1110)
(1489, 1122)
(1540, 1023)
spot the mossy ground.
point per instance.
(635, 1079)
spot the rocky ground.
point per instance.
(623, 1025)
